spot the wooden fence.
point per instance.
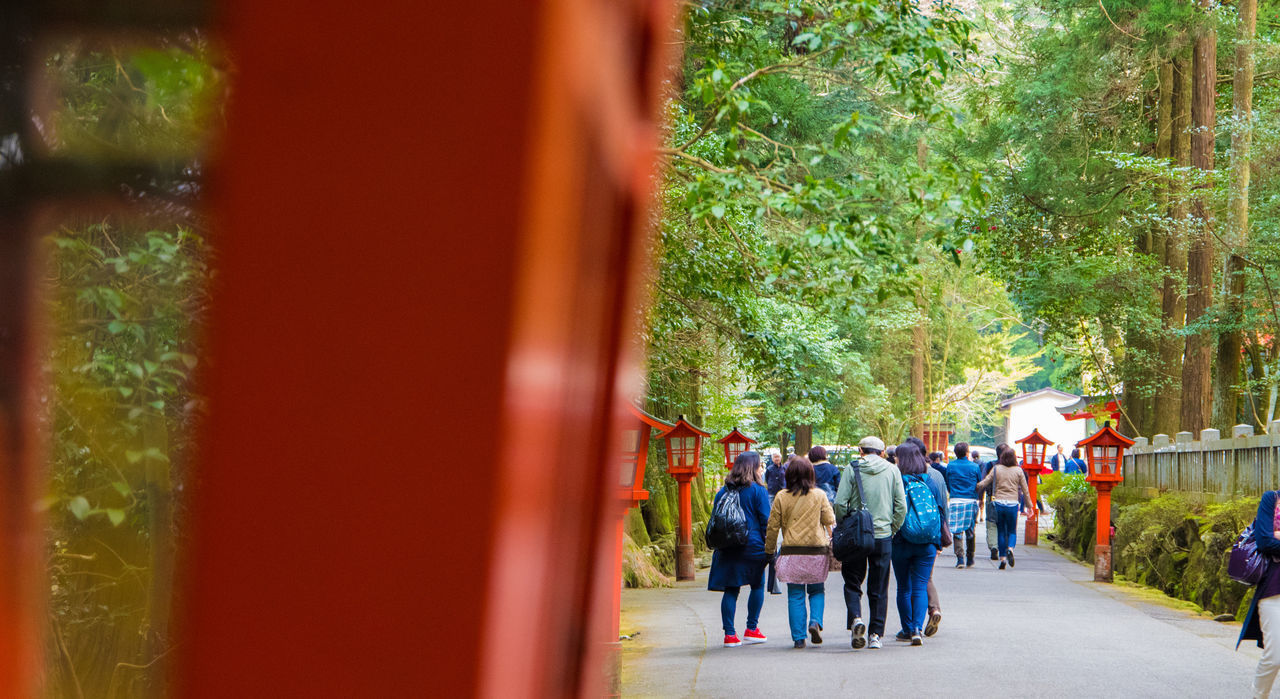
(1217, 468)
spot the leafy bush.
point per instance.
(1057, 482)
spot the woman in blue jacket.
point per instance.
(1263, 618)
(731, 568)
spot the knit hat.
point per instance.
(872, 443)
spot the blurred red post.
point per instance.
(429, 249)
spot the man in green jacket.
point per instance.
(887, 501)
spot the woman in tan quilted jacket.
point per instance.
(804, 516)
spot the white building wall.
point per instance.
(1040, 412)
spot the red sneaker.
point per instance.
(753, 636)
(732, 641)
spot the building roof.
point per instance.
(1036, 394)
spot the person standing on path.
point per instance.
(881, 493)
(826, 475)
(732, 568)
(803, 516)
(775, 480)
(1058, 462)
(935, 462)
(1075, 464)
(1263, 619)
(913, 560)
(962, 507)
(1009, 483)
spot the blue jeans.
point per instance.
(729, 607)
(1006, 525)
(795, 607)
(912, 568)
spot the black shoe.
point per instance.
(902, 636)
(800, 644)
(995, 555)
(968, 562)
(815, 634)
(1001, 565)
(1011, 559)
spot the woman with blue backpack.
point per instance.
(1263, 618)
(916, 544)
(736, 530)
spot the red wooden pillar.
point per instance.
(684, 534)
(1031, 533)
(1102, 571)
(429, 245)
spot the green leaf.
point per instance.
(122, 488)
(115, 327)
(116, 516)
(718, 210)
(79, 507)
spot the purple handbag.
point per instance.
(1246, 564)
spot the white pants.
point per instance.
(1269, 663)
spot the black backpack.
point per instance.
(727, 527)
(855, 534)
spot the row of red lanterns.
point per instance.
(684, 450)
(1104, 453)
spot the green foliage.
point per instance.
(126, 296)
(1174, 542)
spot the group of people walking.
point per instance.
(914, 511)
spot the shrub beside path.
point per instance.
(1042, 629)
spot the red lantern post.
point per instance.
(1033, 447)
(684, 448)
(1104, 451)
(734, 443)
(637, 426)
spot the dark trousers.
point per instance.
(874, 568)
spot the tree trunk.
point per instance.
(1142, 342)
(1177, 76)
(1226, 403)
(804, 439)
(1196, 389)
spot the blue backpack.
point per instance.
(923, 524)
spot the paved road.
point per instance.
(1041, 629)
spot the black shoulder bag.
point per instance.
(855, 534)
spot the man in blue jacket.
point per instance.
(962, 510)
